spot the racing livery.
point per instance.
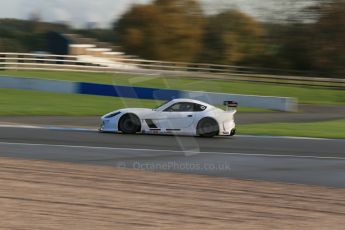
(175, 117)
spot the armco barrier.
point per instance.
(268, 102)
(128, 91)
(38, 84)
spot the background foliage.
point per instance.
(310, 40)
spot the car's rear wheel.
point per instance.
(129, 124)
(207, 127)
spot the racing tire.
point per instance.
(207, 127)
(129, 124)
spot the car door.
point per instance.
(178, 116)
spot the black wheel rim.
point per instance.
(207, 128)
(128, 125)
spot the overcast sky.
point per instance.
(103, 12)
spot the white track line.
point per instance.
(175, 151)
(288, 137)
(48, 127)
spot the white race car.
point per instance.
(175, 117)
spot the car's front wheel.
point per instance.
(129, 124)
(207, 127)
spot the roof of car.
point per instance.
(189, 100)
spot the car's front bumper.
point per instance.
(101, 127)
(107, 126)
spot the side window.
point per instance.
(180, 107)
(199, 108)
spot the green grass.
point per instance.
(324, 129)
(304, 94)
(27, 102)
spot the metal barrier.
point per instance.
(268, 102)
(26, 61)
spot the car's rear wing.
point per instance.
(230, 105)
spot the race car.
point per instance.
(175, 117)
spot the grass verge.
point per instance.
(31, 103)
(304, 94)
(324, 129)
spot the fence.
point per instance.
(26, 61)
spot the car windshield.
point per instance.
(161, 105)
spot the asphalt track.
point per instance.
(293, 160)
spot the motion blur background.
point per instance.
(64, 63)
(283, 48)
(302, 35)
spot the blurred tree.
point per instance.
(329, 38)
(165, 30)
(231, 37)
(11, 45)
(24, 35)
(294, 47)
(313, 43)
